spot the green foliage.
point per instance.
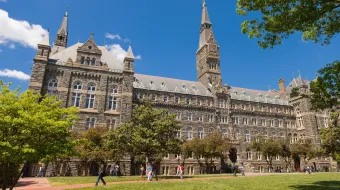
(331, 137)
(149, 133)
(305, 149)
(326, 88)
(269, 148)
(317, 20)
(294, 92)
(32, 128)
(212, 146)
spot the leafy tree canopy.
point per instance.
(150, 132)
(317, 20)
(31, 128)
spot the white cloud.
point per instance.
(19, 31)
(116, 37)
(14, 74)
(118, 52)
(112, 36)
(11, 46)
(4, 1)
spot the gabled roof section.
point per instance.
(90, 46)
(298, 82)
(170, 85)
(256, 96)
(71, 52)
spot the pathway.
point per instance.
(42, 183)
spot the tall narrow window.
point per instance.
(93, 62)
(189, 133)
(188, 101)
(178, 116)
(93, 122)
(90, 97)
(111, 124)
(52, 87)
(42, 52)
(82, 60)
(176, 99)
(128, 65)
(247, 136)
(113, 100)
(224, 132)
(200, 133)
(249, 155)
(88, 123)
(88, 60)
(76, 95)
(165, 100)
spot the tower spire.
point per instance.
(62, 35)
(206, 26)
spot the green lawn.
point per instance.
(59, 181)
(321, 181)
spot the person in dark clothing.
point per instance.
(235, 170)
(154, 171)
(101, 175)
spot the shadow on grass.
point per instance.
(320, 185)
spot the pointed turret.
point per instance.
(62, 35)
(129, 60)
(44, 48)
(205, 15)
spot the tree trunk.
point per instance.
(18, 176)
(5, 175)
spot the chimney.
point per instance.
(282, 86)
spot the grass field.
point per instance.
(320, 181)
(60, 181)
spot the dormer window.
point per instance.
(184, 87)
(90, 47)
(93, 61)
(151, 82)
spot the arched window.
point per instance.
(200, 133)
(189, 132)
(82, 60)
(93, 61)
(290, 137)
(76, 94)
(211, 130)
(256, 134)
(90, 97)
(254, 121)
(128, 65)
(113, 100)
(295, 138)
(52, 87)
(224, 132)
(247, 135)
(88, 61)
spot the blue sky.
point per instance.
(164, 33)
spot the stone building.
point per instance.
(87, 76)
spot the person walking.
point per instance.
(112, 169)
(40, 173)
(101, 175)
(149, 171)
(242, 170)
(235, 171)
(141, 169)
(181, 171)
(154, 172)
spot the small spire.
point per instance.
(130, 53)
(66, 13)
(63, 27)
(46, 40)
(205, 15)
(92, 34)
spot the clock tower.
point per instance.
(207, 55)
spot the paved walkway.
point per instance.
(42, 183)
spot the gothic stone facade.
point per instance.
(87, 76)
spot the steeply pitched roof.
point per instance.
(71, 52)
(257, 96)
(298, 82)
(130, 53)
(63, 26)
(46, 40)
(205, 15)
(170, 85)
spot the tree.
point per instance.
(32, 128)
(317, 20)
(325, 96)
(269, 148)
(150, 132)
(305, 150)
(286, 153)
(212, 146)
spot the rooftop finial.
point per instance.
(299, 72)
(92, 34)
(203, 3)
